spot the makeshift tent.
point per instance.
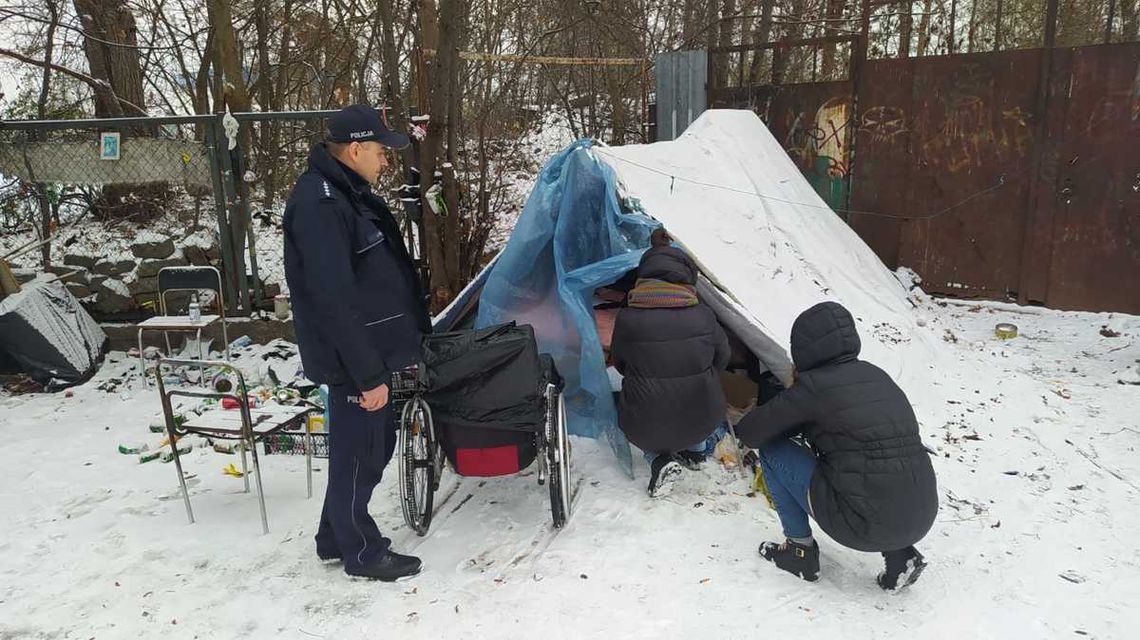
(768, 247)
(49, 335)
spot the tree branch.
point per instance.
(94, 83)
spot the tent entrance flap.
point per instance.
(573, 236)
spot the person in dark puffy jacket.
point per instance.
(670, 350)
(862, 471)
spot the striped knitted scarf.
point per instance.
(658, 294)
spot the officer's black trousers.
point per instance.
(360, 445)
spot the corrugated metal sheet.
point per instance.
(681, 78)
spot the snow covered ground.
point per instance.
(1036, 537)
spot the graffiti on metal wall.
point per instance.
(882, 125)
(818, 143)
(974, 135)
(1116, 114)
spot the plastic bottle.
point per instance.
(195, 310)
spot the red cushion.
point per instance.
(492, 461)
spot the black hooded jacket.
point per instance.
(671, 358)
(874, 487)
(356, 298)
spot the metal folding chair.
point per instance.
(247, 426)
(181, 279)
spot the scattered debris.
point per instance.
(1072, 576)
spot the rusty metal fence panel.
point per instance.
(972, 156)
(1096, 205)
(882, 162)
(969, 170)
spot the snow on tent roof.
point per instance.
(726, 190)
(729, 193)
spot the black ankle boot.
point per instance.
(663, 475)
(799, 560)
(903, 567)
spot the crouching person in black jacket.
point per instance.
(671, 350)
(864, 474)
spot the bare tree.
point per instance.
(111, 45)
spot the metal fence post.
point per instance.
(225, 243)
(236, 230)
(239, 159)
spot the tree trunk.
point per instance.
(266, 147)
(763, 36)
(689, 24)
(111, 21)
(202, 80)
(1130, 12)
(235, 96)
(827, 62)
(906, 27)
(619, 42)
(709, 24)
(727, 22)
(453, 27)
(436, 31)
(390, 59)
(972, 30)
(110, 45)
(924, 27)
(41, 113)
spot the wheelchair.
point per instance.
(486, 403)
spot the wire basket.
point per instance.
(293, 444)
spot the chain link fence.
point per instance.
(107, 203)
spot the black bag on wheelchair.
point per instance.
(486, 389)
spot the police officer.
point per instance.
(359, 317)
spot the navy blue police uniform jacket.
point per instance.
(357, 305)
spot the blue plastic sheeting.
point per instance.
(571, 238)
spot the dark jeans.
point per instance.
(788, 467)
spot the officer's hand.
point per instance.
(375, 399)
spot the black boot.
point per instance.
(390, 568)
(691, 460)
(328, 556)
(662, 475)
(903, 567)
(799, 560)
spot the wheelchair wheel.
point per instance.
(558, 461)
(419, 468)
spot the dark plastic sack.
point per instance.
(486, 389)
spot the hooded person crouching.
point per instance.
(862, 471)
